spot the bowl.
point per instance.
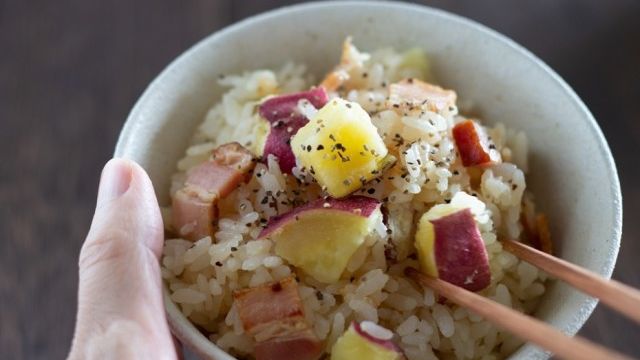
(572, 172)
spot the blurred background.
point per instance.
(70, 71)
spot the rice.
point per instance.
(203, 275)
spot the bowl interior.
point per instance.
(572, 173)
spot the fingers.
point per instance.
(120, 297)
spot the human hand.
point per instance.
(120, 308)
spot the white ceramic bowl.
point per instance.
(572, 172)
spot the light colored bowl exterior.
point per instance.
(572, 172)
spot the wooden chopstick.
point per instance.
(618, 296)
(524, 326)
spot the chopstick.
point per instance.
(616, 295)
(524, 326)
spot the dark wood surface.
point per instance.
(70, 70)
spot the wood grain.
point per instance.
(616, 295)
(70, 70)
(517, 323)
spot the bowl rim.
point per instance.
(181, 326)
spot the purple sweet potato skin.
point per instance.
(355, 204)
(461, 259)
(285, 120)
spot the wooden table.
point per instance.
(70, 70)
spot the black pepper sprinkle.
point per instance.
(218, 263)
(320, 147)
(308, 148)
(233, 248)
(492, 146)
(389, 231)
(319, 295)
(447, 201)
(514, 186)
(371, 191)
(456, 172)
(396, 105)
(348, 105)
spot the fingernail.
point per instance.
(114, 181)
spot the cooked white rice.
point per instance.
(203, 275)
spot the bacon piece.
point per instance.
(473, 144)
(194, 209)
(350, 59)
(285, 120)
(543, 234)
(274, 316)
(413, 93)
(302, 345)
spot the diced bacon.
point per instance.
(192, 217)
(194, 209)
(260, 306)
(212, 181)
(302, 345)
(233, 156)
(413, 93)
(544, 235)
(350, 59)
(473, 144)
(273, 314)
(285, 119)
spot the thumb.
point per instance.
(120, 307)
